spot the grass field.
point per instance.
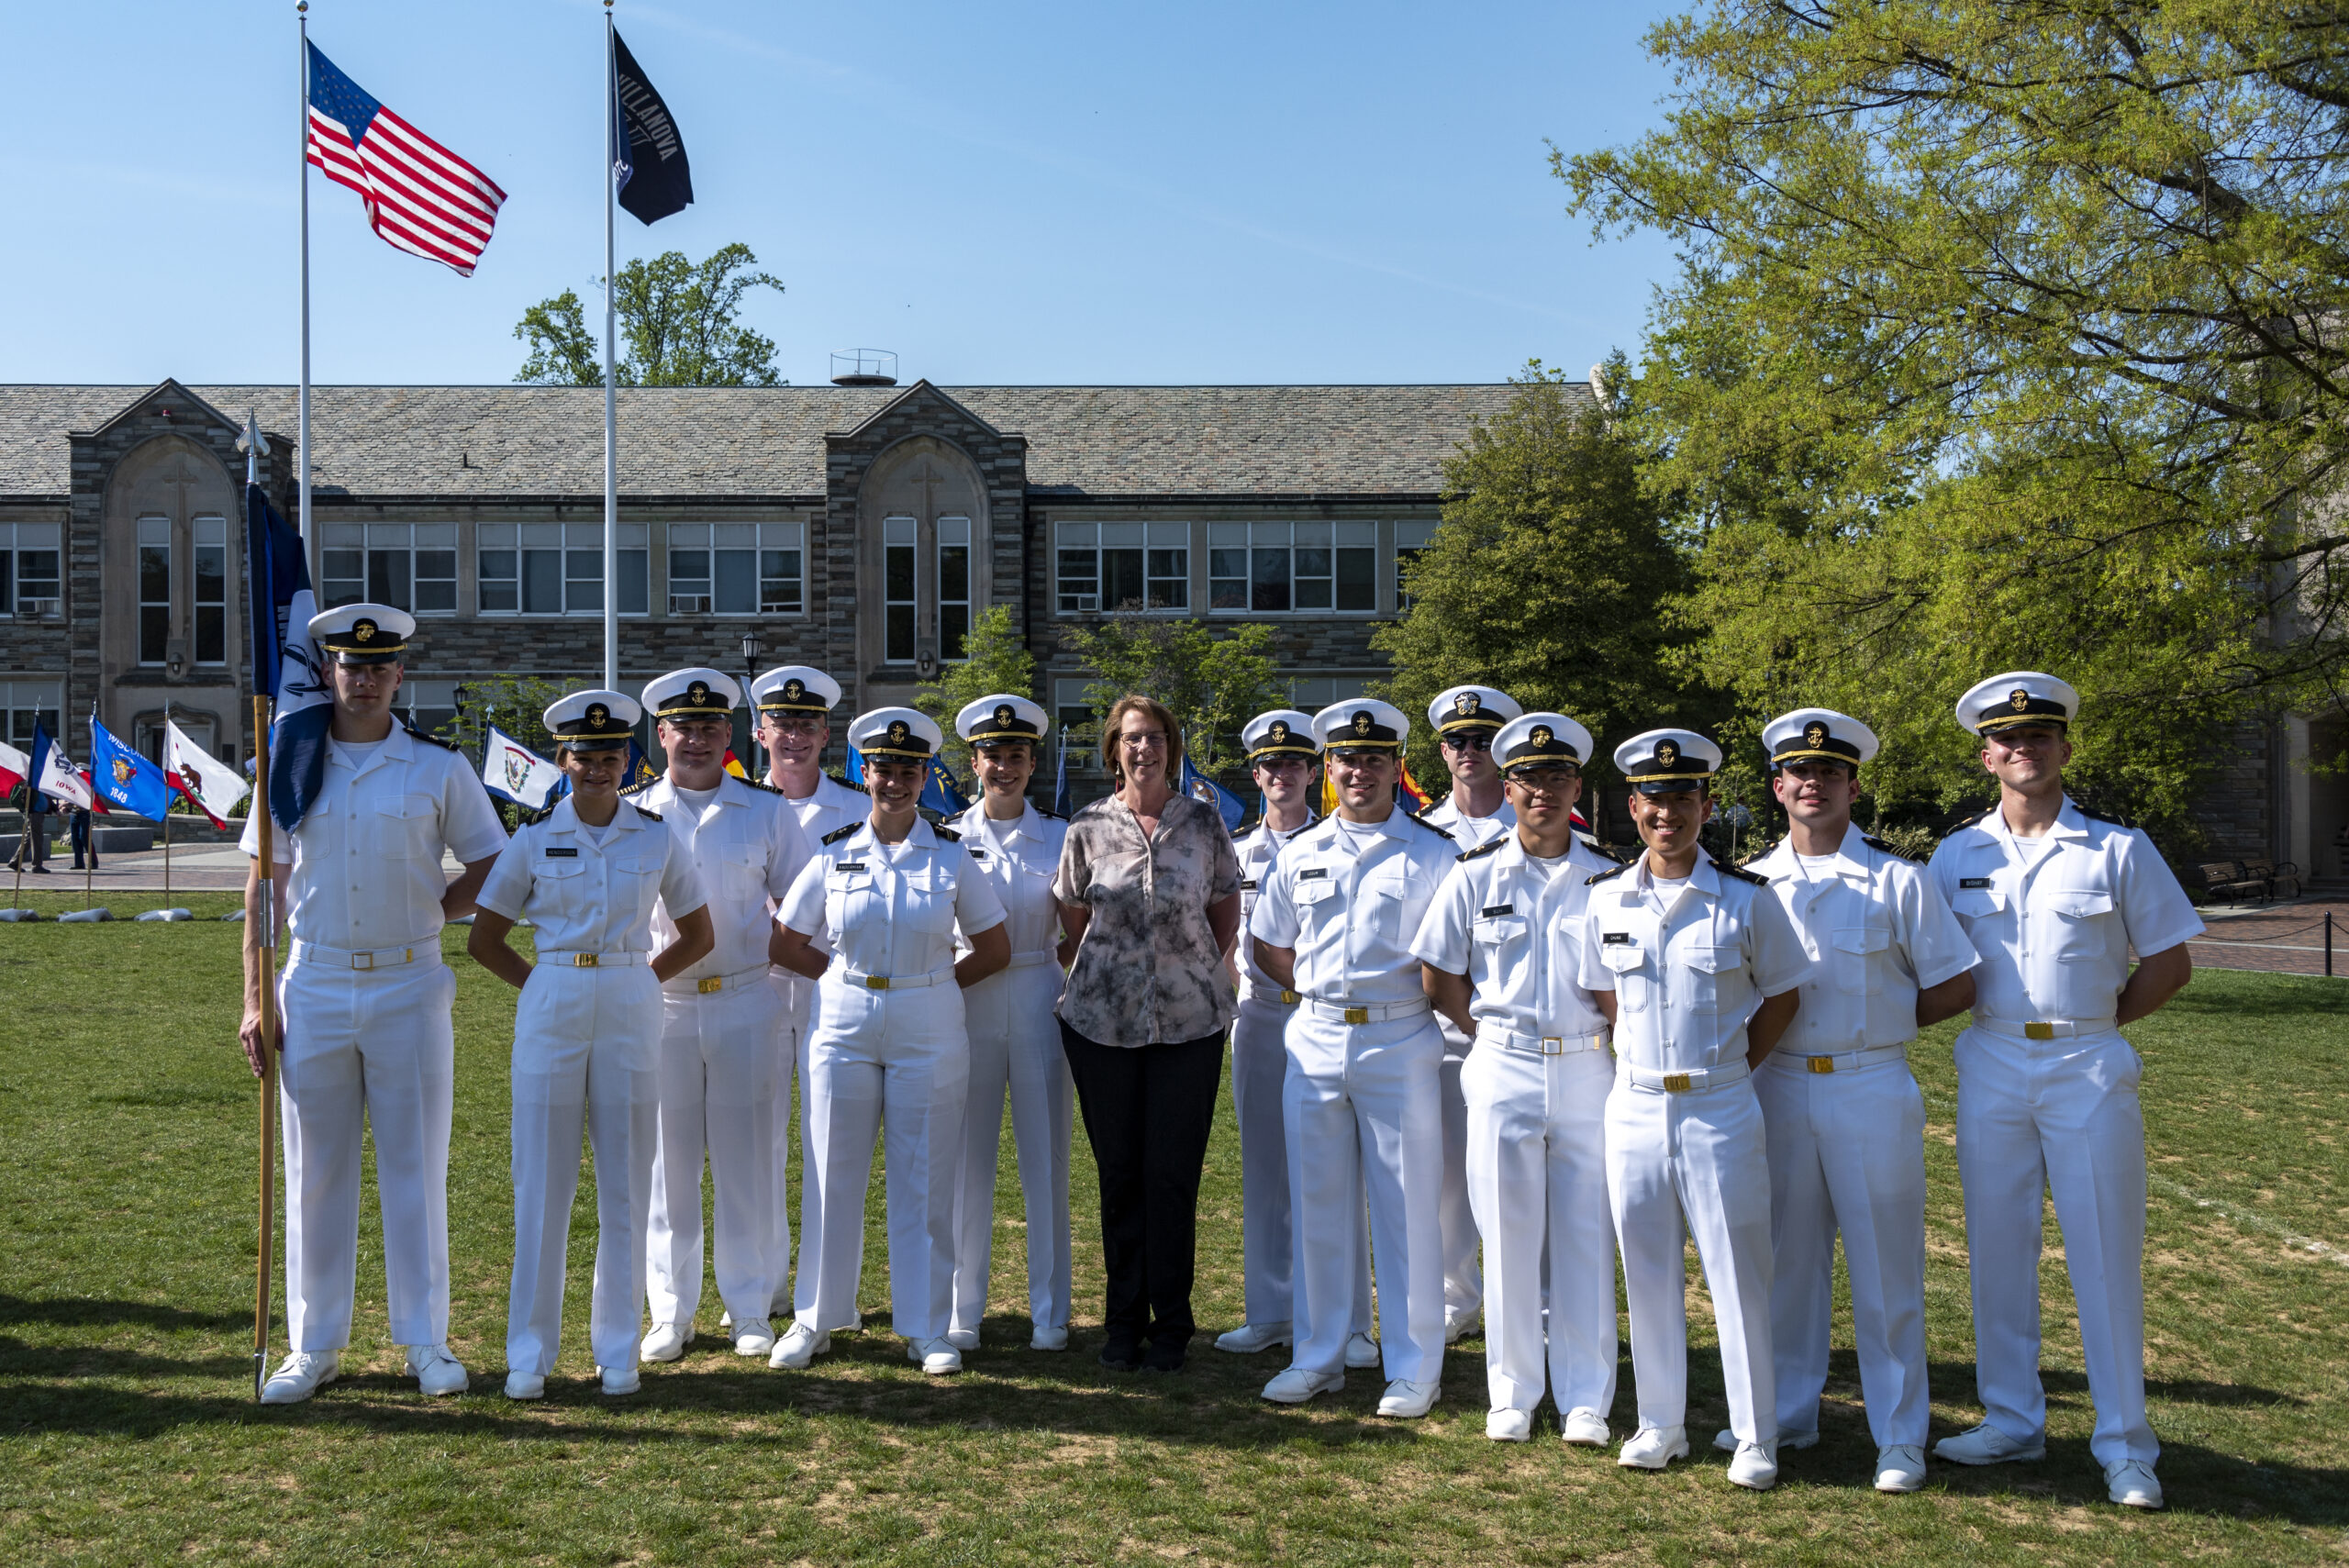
(128, 1435)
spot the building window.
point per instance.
(1411, 541)
(1311, 694)
(1078, 729)
(212, 590)
(736, 569)
(1123, 566)
(898, 548)
(154, 589)
(24, 703)
(954, 585)
(32, 583)
(409, 566)
(427, 703)
(557, 569)
(1278, 568)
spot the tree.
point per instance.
(1547, 576)
(677, 319)
(995, 659)
(1213, 684)
(2006, 335)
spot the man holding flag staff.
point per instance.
(364, 1005)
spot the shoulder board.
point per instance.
(1490, 846)
(943, 831)
(1049, 815)
(430, 739)
(764, 788)
(634, 790)
(1604, 851)
(841, 780)
(837, 834)
(1433, 828)
(2105, 816)
(1248, 827)
(530, 817)
(647, 816)
(1970, 821)
(1882, 847)
(1595, 879)
(1741, 874)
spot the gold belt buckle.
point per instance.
(1822, 1063)
(1289, 998)
(1554, 1045)
(1357, 1015)
(710, 983)
(1676, 1082)
(2038, 1031)
(362, 961)
(582, 960)
(876, 983)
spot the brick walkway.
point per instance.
(2276, 938)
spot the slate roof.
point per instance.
(491, 441)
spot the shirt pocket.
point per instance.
(743, 871)
(1711, 972)
(1317, 904)
(1383, 902)
(929, 901)
(557, 887)
(404, 827)
(1858, 972)
(848, 897)
(1972, 904)
(1628, 962)
(1500, 939)
(2079, 924)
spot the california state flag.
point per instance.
(215, 786)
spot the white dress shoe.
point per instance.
(619, 1380)
(1583, 1428)
(1407, 1400)
(524, 1385)
(938, 1357)
(1250, 1338)
(1726, 1441)
(799, 1345)
(1754, 1466)
(1045, 1339)
(435, 1370)
(1361, 1352)
(2131, 1483)
(1652, 1448)
(300, 1376)
(962, 1338)
(1506, 1426)
(754, 1338)
(1899, 1467)
(1457, 1327)
(1297, 1384)
(1987, 1445)
(666, 1342)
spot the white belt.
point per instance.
(1368, 1012)
(711, 984)
(378, 958)
(566, 958)
(856, 979)
(2052, 1028)
(1842, 1061)
(1695, 1081)
(1539, 1044)
(1032, 960)
(1252, 992)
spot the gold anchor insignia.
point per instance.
(793, 690)
(1279, 734)
(897, 732)
(2019, 699)
(1814, 735)
(1362, 722)
(597, 715)
(1667, 753)
(1541, 736)
(1003, 715)
(698, 692)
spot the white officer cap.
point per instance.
(1006, 715)
(593, 721)
(699, 693)
(1540, 739)
(900, 734)
(1282, 732)
(795, 688)
(2019, 696)
(1818, 735)
(1659, 762)
(1359, 723)
(363, 634)
(1471, 707)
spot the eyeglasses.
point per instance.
(1547, 781)
(795, 726)
(1143, 741)
(1469, 742)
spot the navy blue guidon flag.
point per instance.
(286, 667)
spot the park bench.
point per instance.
(2276, 876)
(2228, 880)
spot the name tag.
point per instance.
(1313, 873)
(848, 865)
(1617, 939)
(1495, 911)
(554, 852)
(1963, 882)
(979, 855)
(1247, 884)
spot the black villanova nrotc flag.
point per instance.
(654, 178)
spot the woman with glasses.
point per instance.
(1150, 892)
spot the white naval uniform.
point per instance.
(2047, 1101)
(1536, 1083)
(1259, 1071)
(1358, 1102)
(832, 806)
(1685, 1138)
(1463, 1281)
(1016, 1047)
(725, 1062)
(891, 1057)
(365, 1028)
(1847, 1127)
(587, 1050)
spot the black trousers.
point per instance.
(1148, 1111)
(83, 833)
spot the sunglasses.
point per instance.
(1469, 742)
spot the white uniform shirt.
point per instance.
(1469, 833)
(1352, 920)
(2054, 927)
(590, 898)
(1517, 936)
(891, 909)
(1877, 932)
(832, 807)
(1019, 870)
(366, 859)
(747, 849)
(1687, 979)
(1258, 848)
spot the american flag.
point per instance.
(420, 196)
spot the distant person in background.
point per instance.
(83, 833)
(35, 834)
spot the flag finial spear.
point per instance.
(252, 443)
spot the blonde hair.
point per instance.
(1113, 724)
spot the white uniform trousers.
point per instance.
(1699, 1157)
(1259, 1075)
(1016, 1047)
(2059, 1115)
(1463, 1280)
(376, 1044)
(720, 1054)
(796, 1290)
(1847, 1152)
(586, 1048)
(1361, 1111)
(894, 1064)
(1537, 1175)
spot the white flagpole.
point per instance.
(302, 398)
(611, 406)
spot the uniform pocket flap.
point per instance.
(1978, 903)
(544, 867)
(2080, 902)
(1862, 939)
(1712, 961)
(406, 805)
(1498, 927)
(1314, 892)
(1621, 957)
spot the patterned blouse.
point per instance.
(1148, 971)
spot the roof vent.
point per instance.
(864, 367)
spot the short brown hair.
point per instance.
(1113, 724)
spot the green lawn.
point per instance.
(128, 1434)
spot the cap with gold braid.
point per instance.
(1361, 724)
(1282, 732)
(2017, 698)
(697, 693)
(363, 634)
(593, 721)
(897, 734)
(1471, 707)
(1000, 719)
(1818, 735)
(1540, 741)
(795, 688)
(1661, 761)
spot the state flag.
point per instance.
(514, 774)
(53, 774)
(15, 768)
(123, 778)
(216, 788)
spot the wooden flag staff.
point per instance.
(264, 943)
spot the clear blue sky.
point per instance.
(1007, 192)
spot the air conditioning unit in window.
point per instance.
(1088, 601)
(689, 604)
(40, 609)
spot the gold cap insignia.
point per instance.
(1667, 753)
(699, 693)
(793, 689)
(363, 629)
(597, 716)
(1278, 733)
(1362, 721)
(897, 732)
(2019, 699)
(1003, 715)
(1814, 735)
(1542, 735)
(1466, 703)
